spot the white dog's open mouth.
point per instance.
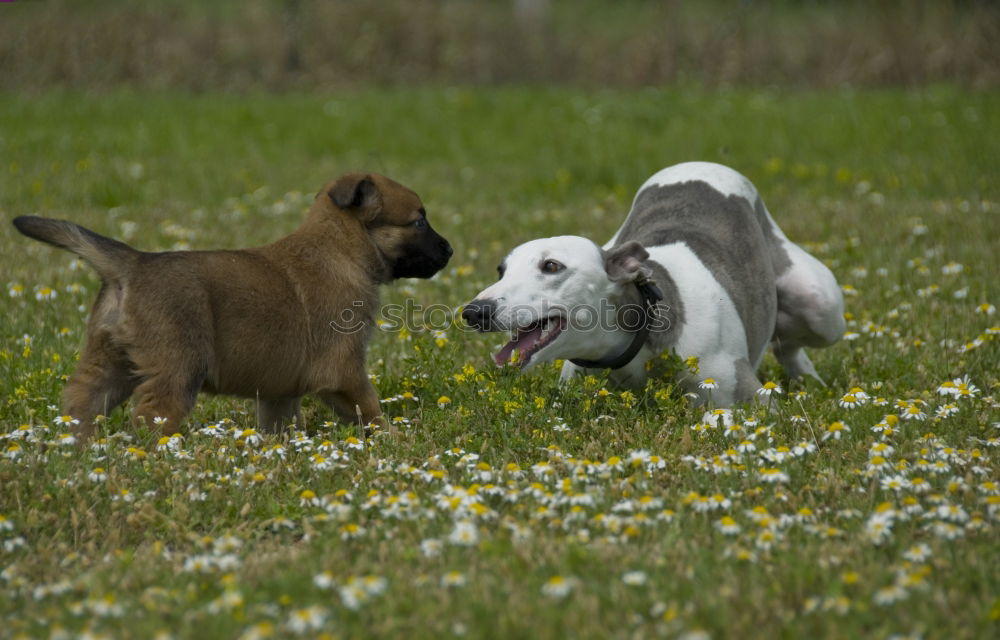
(530, 339)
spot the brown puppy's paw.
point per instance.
(379, 426)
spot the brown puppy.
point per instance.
(273, 322)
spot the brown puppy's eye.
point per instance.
(420, 223)
(551, 266)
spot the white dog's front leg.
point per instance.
(569, 371)
(733, 381)
(631, 376)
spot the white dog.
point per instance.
(698, 268)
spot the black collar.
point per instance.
(651, 294)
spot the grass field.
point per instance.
(508, 506)
(310, 44)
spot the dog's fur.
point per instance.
(265, 323)
(731, 282)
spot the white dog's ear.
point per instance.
(624, 262)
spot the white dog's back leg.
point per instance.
(795, 362)
(810, 306)
(810, 312)
(810, 303)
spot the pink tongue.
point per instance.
(525, 341)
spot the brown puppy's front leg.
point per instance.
(275, 413)
(352, 399)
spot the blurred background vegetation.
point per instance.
(308, 45)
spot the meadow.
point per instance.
(508, 506)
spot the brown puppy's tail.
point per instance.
(110, 258)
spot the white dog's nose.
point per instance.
(479, 314)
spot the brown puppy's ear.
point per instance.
(356, 192)
(624, 262)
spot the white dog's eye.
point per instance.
(552, 266)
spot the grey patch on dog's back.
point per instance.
(747, 382)
(723, 231)
(779, 257)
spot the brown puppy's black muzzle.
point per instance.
(478, 314)
(425, 257)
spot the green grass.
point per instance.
(889, 188)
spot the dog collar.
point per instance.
(651, 294)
